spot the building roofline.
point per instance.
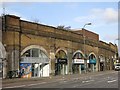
(87, 30)
(50, 27)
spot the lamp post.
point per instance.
(84, 42)
(86, 24)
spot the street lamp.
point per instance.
(84, 34)
(84, 40)
(86, 24)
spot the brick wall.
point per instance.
(51, 38)
(88, 34)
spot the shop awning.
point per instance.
(92, 61)
(34, 60)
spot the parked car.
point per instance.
(117, 67)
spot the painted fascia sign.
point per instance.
(78, 61)
(92, 61)
(102, 60)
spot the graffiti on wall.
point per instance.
(26, 70)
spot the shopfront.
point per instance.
(102, 63)
(78, 65)
(34, 63)
(61, 65)
(92, 63)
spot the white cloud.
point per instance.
(108, 15)
(83, 19)
(111, 38)
(99, 16)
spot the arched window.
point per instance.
(61, 54)
(34, 52)
(78, 55)
(92, 56)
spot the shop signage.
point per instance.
(79, 61)
(62, 61)
(87, 61)
(92, 61)
(102, 60)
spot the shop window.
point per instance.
(91, 57)
(78, 56)
(61, 54)
(35, 52)
(27, 53)
(42, 54)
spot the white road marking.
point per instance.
(36, 84)
(112, 81)
(25, 85)
(87, 81)
(84, 83)
(16, 86)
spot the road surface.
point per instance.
(96, 80)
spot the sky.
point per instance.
(102, 15)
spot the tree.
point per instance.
(63, 27)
